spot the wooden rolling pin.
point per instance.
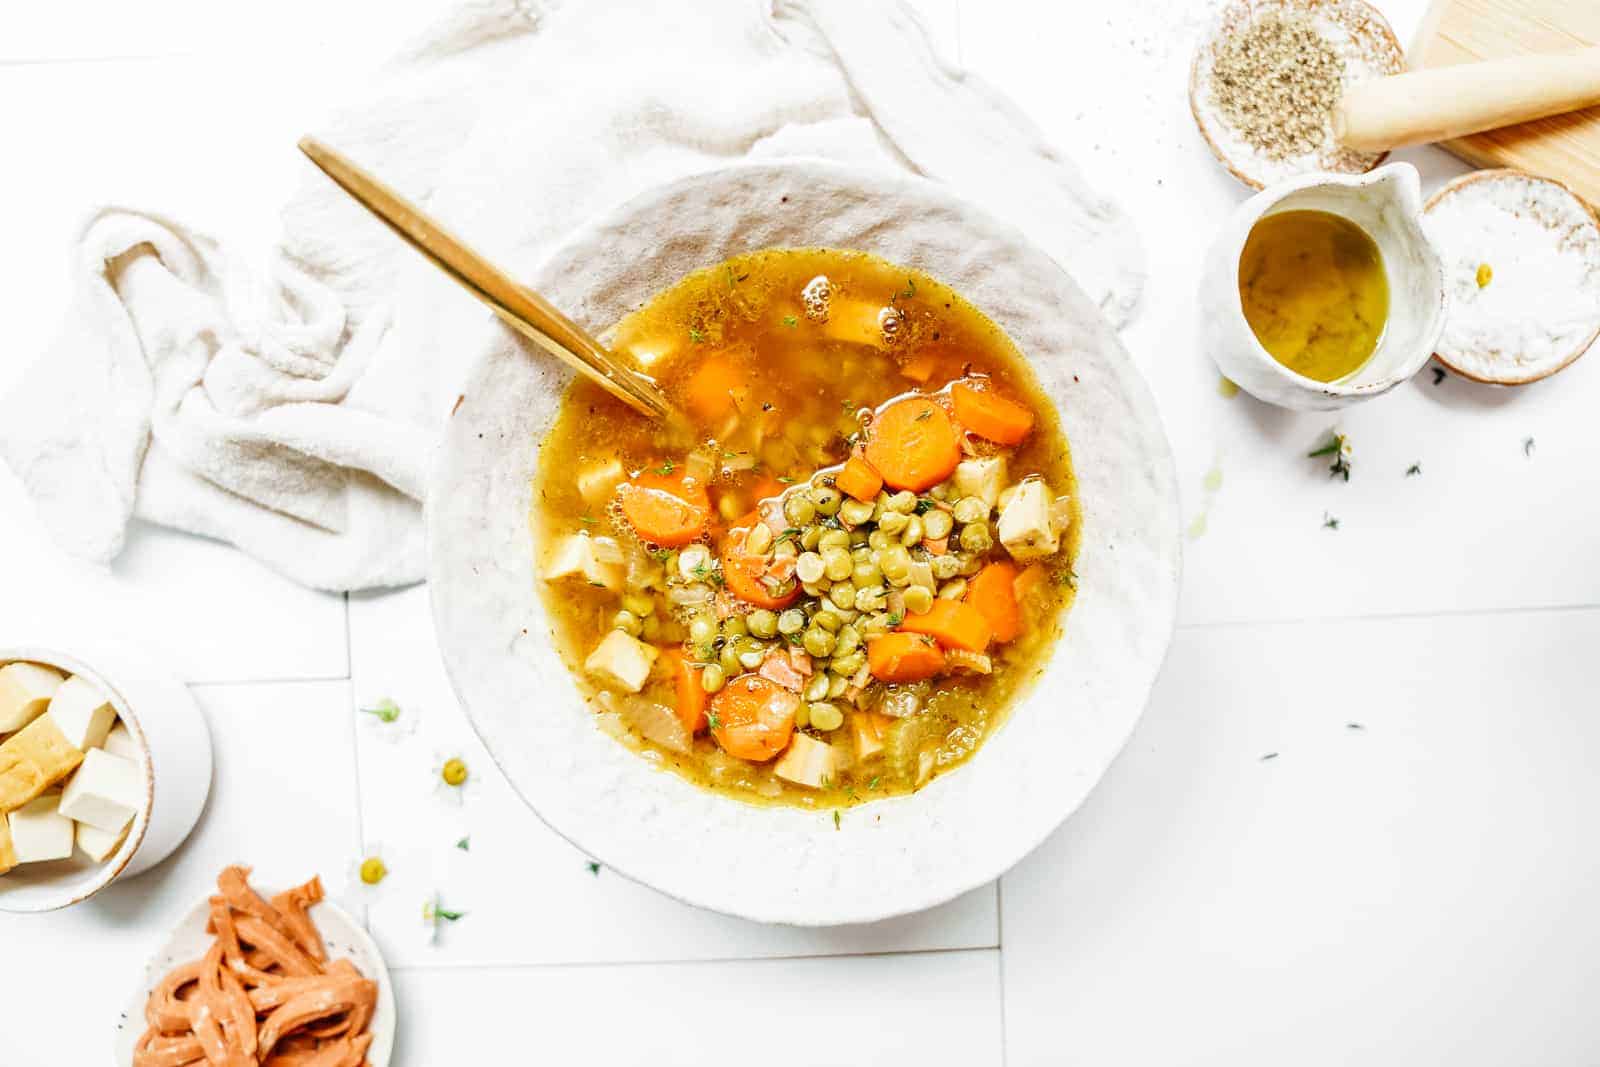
(1442, 103)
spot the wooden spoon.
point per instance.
(521, 308)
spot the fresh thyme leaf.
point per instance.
(667, 468)
(924, 505)
(1329, 522)
(712, 721)
(785, 480)
(588, 520)
(874, 783)
(1354, 726)
(928, 414)
(1438, 375)
(836, 818)
(598, 585)
(846, 406)
(1068, 578)
(447, 915)
(594, 868)
(660, 554)
(895, 619)
(1413, 470)
(1339, 449)
(696, 335)
(791, 321)
(907, 293)
(1269, 755)
(465, 844)
(1527, 446)
(731, 282)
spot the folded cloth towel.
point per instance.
(294, 414)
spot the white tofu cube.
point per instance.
(96, 843)
(25, 690)
(1025, 527)
(597, 483)
(621, 662)
(105, 791)
(82, 713)
(120, 742)
(39, 832)
(982, 477)
(577, 556)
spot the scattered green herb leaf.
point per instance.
(791, 321)
(1269, 755)
(712, 721)
(1413, 470)
(594, 868)
(836, 818)
(924, 505)
(588, 520)
(1527, 446)
(1339, 449)
(1354, 726)
(928, 414)
(697, 336)
(465, 844)
(1329, 522)
(1438, 375)
(667, 468)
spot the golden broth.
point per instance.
(1314, 291)
(772, 396)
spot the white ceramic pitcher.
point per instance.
(1387, 204)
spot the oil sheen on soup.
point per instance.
(830, 581)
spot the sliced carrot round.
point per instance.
(742, 574)
(913, 444)
(753, 717)
(993, 592)
(904, 657)
(985, 412)
(952, 623)
(666, 509)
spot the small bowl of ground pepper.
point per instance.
(1267, 79)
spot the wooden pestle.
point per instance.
(1423, 106)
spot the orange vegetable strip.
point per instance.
(666, 509)
(1031, 578)
(232, 884)
(754, 717)
(692, 697)
(858, 479)
(163, 1050)
(993, 592)
(953, 623)
(292, 903)
(985, 412)
(283, 952)
(913, 444)
(904, 657)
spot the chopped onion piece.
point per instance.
(657, 722)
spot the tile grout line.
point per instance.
(1447, 613)
(355, 752)
(1000, 959)
(689, 962)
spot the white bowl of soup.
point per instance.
(868, 625)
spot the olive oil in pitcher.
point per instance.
(1314, 292)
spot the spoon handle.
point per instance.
(521, 308)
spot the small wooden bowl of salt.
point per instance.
(1269, 76)
(1521, 257)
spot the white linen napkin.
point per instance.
(294, 414)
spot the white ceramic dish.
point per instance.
(343, 935)
(175, 747)
(782, 864)
(1387, 204)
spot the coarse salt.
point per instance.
(1521, 258)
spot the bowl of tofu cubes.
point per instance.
(104, 768)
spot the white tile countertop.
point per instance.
(1354, 826)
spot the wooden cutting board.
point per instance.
(1566, 147)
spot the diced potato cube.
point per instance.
(982, 477)
(34, 759)
(25, 689)
(621, 662)
(1025, 527)
(806, 761)
(868, 729)
(597, 483)
(577, 556)
(857, 322)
